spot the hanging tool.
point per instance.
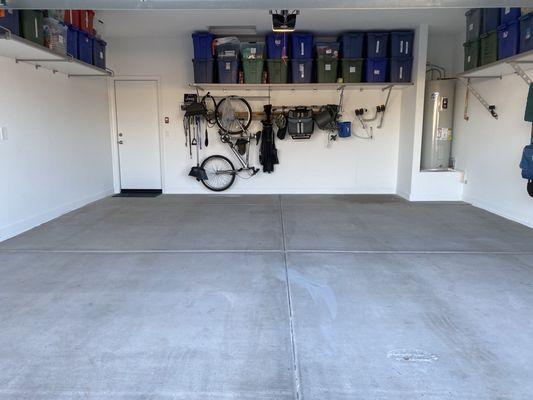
(198, 172)
(206, 135)
(383, 107)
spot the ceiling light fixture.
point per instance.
(284, 20)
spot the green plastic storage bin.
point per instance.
(278, 70)
(326, 70)
(352, 70)
(489, 48)
(471, 54)
(253, 70)
(31, 26)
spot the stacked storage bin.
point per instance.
(228, 50)
(277, 45)
(401, 62)
(472, 44)
(526, 32)
(351, 51)
(376, 64)
(9, 19)
(253, 61)
(55, 35)
(327, 61)
(31, 25)
(490, 20)
(302, 58)
(509, 32)
(203, 57)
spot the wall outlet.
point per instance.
(3, 133)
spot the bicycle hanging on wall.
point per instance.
(233, 116)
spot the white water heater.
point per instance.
(437, 135)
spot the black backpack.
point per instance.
(300, 123)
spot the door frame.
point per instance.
(115, 159)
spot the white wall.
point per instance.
(349, 166)
(489, 150)
(57, 154)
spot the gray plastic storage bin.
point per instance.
(473, 24)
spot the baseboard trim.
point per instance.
(31, 222)
(498, 211)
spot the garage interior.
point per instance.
(357, 267)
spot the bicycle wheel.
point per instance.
(233, 114)
(220, 173)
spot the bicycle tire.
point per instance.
(246, 123)
(208, 184)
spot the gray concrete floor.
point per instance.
(268, 297)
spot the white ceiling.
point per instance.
(256, 4)
(172, 23)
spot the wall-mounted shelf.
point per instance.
(501, 68)
(25, 51)
(298, 86)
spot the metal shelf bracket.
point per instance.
(491, 108)
(520, 72)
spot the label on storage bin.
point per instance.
(253, 50)
(378, 42)
(302, 49)
(230, 53)
(101, 55)
(444, 134)
(471, 27)
(352, 70)
(327, 67)
(401, 46)
(301, 67)
(401, 73)
(328, 51)
(377, 72)
(469, 59)
(277, 42)
(36, 28)
(505, 34)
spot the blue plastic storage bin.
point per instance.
(508, 39)
(277, 45)
(352, 44)
(72, 41)
(85, 47)
(508, 14)
(302, 71)
(203, 45)
(301, 45)
(526, 32)
(401, 43)
(228, 70)
(344, 129)
(10, 21)
(203, 71)
(400, 69)
(490, 19)
(99, 50)
(377, 44)
(376, 69)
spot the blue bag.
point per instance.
(527, 162)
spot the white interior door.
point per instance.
(138, 134)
